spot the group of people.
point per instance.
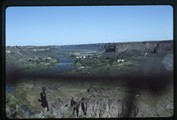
(75, 104)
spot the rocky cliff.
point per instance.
(95, 102)
(137, 48)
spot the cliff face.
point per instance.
(138, 48)
(99, 103)
(96, 108)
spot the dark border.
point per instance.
(9, 3)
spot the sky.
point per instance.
(67, 25)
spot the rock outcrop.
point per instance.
(137, 48)
(99, 103)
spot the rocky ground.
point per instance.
(92, 100)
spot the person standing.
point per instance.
(43, 99)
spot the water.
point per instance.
(66, 60)
(63, 67)
(65, 64)
(9, 88)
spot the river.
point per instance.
(64, 65)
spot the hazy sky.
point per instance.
(87, 24)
